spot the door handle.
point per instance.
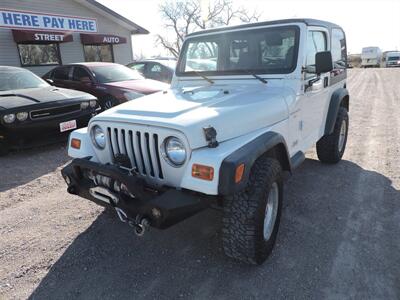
(326, 81)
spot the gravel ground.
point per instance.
(339, 237)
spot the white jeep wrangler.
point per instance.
(245, 104)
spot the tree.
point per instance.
(182, 17)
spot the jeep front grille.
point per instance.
(142, 148)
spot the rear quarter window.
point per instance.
(338, 49)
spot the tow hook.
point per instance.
(139, 224)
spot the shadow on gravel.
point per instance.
(187, 260)
(18, 168)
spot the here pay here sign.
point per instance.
(42, 21)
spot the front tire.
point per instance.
(252, 216)
(108, 102)
(330, 148)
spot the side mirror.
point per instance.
(85, 80)
(50, 81)
(323, 62)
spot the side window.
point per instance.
(61, 73)
(156, 68)
(338, 49)
(138, 67)
(316, 42)
(79, 73)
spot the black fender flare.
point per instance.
(247, 155)
(337, 98)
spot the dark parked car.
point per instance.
(157, 69)
(111, 83)
(34, 112)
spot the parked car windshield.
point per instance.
(16, 79)
(114, 73)
(264, 51)
(394, 58)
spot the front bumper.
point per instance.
(40, 132)
(164, 207)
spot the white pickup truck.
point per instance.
(223, 134)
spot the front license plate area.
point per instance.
(69, 125)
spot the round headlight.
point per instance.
(93, 103)
(98, 137)
(22, 116)
(9, 118)
(84, 105)
(175, 151)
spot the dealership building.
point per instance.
(40, 34)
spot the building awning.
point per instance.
(102, 39)
(41, 37)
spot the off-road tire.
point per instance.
(328, 146)
(244, 213)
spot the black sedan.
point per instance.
(33, 112)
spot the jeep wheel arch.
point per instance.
(340, 97)
(271, 144)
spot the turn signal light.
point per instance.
(203, 172)
(76, 144)
(239, 173)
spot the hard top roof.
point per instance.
(309, 22)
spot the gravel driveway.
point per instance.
(339, 237)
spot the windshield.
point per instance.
(263, 51)
(16, 79)
(394, 58)
(114, 73)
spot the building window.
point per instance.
(39, 54)
(102, 52)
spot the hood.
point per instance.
(24, 97)
(143, 86)
(231, 110)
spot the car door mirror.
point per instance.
(50, 81)
(323, 62)
(85, 80)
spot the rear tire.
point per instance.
(252, 216)
(330, 148)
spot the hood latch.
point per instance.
(211, 136)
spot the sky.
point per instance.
(365, 22)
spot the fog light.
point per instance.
(156, 212)
(75, 143)
(93, 103)
(203, 172)
(84, 105)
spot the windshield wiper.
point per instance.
(256, 76)
(204, 77)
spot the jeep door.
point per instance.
(316, 88)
